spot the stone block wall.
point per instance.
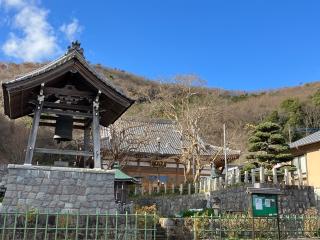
(59, 189)
(293, 200)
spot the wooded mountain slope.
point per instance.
(237, 109)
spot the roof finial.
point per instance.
(75, 45)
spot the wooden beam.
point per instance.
(66, 106)
(86, 141)
(49, 124)
(54, 118)
(67, 113)
(63, 152)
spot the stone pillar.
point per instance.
(300, 180)
(172, 187)
(286, 176)
(189, 188)
(181, 189)
(262, 177)
(238, 176)
(253, 176)
(274, 176)
(165, 188)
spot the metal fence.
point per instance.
(246, 227)
(34, 225)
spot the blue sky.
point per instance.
(243, 45)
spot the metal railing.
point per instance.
(34, 225)
(246, 227)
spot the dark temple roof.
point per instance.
(18, 92)
(312, 138)
(162, 137)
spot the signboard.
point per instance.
(264, 205)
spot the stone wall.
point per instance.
(169, 205)
(3, 171)
(293, 200)
(59, 189)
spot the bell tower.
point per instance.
(65, 94)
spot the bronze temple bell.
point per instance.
(63, 129)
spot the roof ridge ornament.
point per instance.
(75, 46)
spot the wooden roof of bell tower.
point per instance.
(68, 78)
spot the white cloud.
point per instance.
(32, 37)
(71, 30)
(13, 3)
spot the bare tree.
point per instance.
(124, 138)
(182, 110)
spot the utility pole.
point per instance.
(225, 154)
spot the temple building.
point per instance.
(151, 150)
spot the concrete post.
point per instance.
(238, 176)
(172, 187)
(286, 176)
(253, 176)
(274, 176)
(189, 188)
(165, 188)
(181, 189)
(262, 176)
(300, 180)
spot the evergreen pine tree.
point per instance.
(267, 145)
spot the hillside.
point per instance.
(236, 109)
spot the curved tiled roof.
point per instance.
(162, 138)
(312, 138)
(73, 53)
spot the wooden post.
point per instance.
(189, 188)
(253, 176)
(274, 176)
(34, 129)
(86, 143)
(286, 177)
(262, 179)
(96, 133)
(246, 177)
